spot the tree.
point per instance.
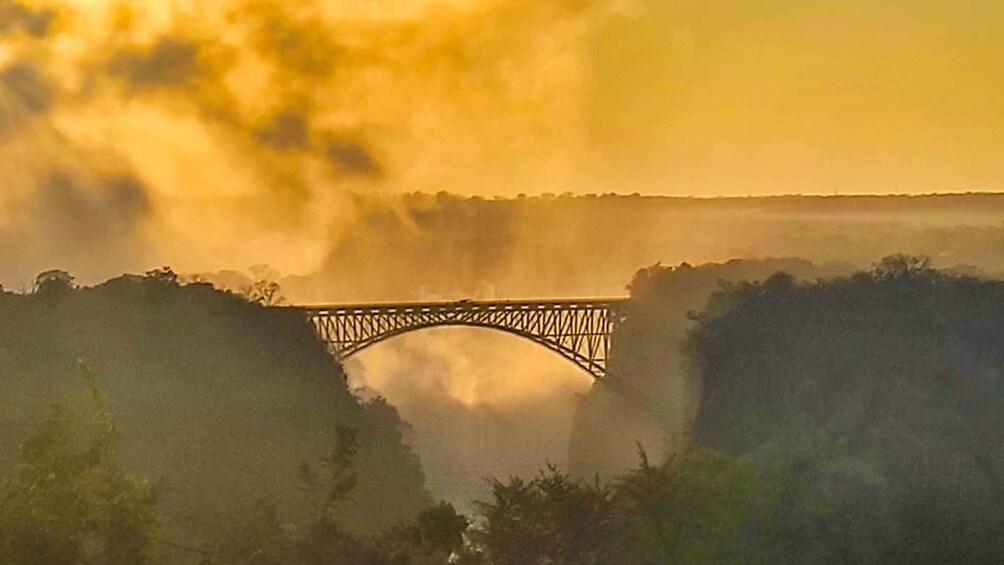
(70, 502)
(900, 267)
(263, 537)
(698, 507)
(884, 390)
(263, 292)
(164, 276)
(54, 283)
(441, 528)
(548, 519)
(436, 537)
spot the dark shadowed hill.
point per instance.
(647, 397)
(901, 370)
(219, 398)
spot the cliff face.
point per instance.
(898, 369)
(879, 394)
(217, 398)
(648, 397)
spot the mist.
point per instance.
(378, 151)
(248, 125)
(472, 396)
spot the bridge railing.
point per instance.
(462, 305)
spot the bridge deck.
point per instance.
(461, 305)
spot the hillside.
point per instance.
(885, 386)
(648, 396)
(218, 398)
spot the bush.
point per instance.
(70, 502)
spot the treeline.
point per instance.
(887, 385)
(70, 501)
(876, 395)
(850, 419)
(648, 395)
(218, 396)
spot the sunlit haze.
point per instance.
(244, 125)
(186, 184)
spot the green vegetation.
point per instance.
(855, 419)
(899, 369)
(266, 537)
(70, 501)
(698, 509)
(218, 397)
(648, 396)
(874, 400)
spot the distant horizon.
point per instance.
(569, 194)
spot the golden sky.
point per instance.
(245, 125)
(743, 97)
(697, 97)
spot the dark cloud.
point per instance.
(28, 90)
(287, 131)
(351, 158)
(295, 38)
(63, 208)
(77, 212)
(126, 199)
(169, 62)
(27, 83)
(37, 22)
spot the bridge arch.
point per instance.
(578, 330)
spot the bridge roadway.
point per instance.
(579, 330)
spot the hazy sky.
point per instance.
(736, 96)
(701, 97)
(205, 132)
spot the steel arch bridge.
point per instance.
(578, 330)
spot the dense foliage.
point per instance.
(855, 419)
(900, 368)
(70, 501)
(647, 396)
(218, 397)
(267, 537)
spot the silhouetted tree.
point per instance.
(898, 267)
(263, 292)
(435, 536)
(164, 276)
(550, 518)
(54, 283)
(698, 507)
(210, 389)
(70, 502)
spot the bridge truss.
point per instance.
(579, 330)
